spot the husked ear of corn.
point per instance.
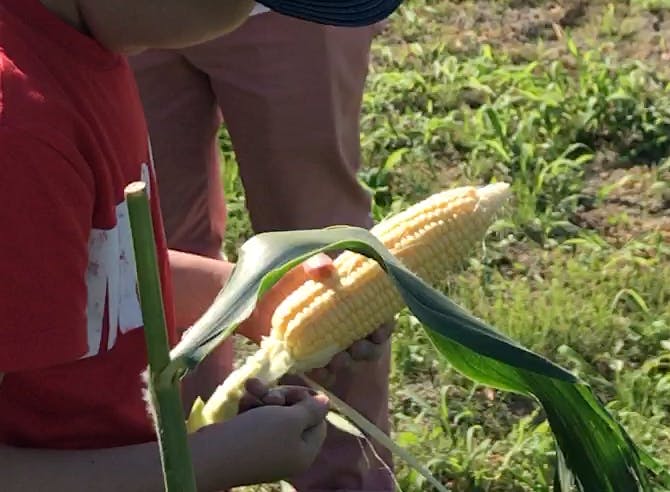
(322, 318)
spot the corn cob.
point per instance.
(322, 318)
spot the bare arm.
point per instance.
(129, 26)
(263, 445)
(196, 282)
(133, 468)
(130, 468)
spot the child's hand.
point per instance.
(259, 394)
(279, 431)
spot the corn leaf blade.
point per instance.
(595, 448)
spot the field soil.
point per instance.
(624, 30)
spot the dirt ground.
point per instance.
(634, 205)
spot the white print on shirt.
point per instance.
(111, 279)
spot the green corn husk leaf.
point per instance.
(593, 447)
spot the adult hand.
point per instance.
(369, 349)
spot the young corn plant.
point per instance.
(380, 272)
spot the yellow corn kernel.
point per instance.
(322, 318)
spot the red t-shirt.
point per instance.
(72, 136)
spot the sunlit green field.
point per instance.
(570, 104)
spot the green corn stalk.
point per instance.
(164, 397)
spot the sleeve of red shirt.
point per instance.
(45, 213)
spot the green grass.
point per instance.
(578, 270)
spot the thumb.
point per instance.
(312, 410)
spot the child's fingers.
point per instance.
(276, 396)
(255, 392)
(288, 395)
(249, 402)
(296, 394)
(256, 388)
